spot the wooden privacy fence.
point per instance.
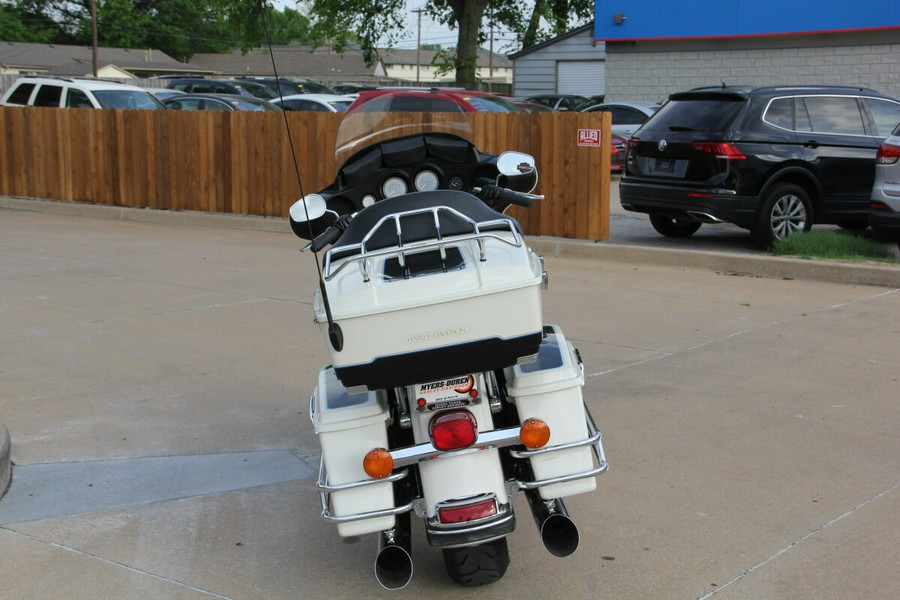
(240, 162)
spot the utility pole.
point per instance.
(94, 36)
(418, 12)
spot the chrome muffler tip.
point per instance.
(393, 563)
(393, 567)
(559, 533)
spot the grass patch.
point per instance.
(833, 245)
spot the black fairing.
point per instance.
(457, 163)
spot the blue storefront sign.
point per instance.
(623, 20)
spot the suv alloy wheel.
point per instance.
(785, 210)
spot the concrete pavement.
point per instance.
(155, 379)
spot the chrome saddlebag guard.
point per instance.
(348, 426)
(549, 389)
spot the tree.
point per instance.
(371, 23)
(180, 28)
(20, 23)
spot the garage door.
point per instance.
(584, 77)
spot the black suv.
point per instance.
(773, 160)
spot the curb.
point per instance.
(777, 267)
(739, 264)
(5, 463)
(146, 215)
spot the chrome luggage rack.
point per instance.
(361, 253)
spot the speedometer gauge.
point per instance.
(393, 186)
(426, 181)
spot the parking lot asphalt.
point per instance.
(156, 369)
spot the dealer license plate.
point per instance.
(446, 393)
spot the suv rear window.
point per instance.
(700, 113)
(21, 94)
(834, 114)
(48, 95)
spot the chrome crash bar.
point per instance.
(498, 438)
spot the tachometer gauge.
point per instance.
(426, 181)
(393, 186)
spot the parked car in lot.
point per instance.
(315, 102)
(627, 117)
(352, 88)
(884, 208)
(526, 106)
(219, 102)
(558, 101)
(618, 147)
(429, 100)
(221, 86)
(590, 101)
(163, 94)
(773, 160)
(73, 92)
(288, 86)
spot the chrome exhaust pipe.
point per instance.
(393, 563)
(558, 532)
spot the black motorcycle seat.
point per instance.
(420, 226)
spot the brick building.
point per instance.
(656, 47)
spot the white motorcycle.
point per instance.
(446, 395)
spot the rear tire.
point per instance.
(477, 565)
(786, 209)
(673, 228)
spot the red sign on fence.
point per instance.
(589, 137)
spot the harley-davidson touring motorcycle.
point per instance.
(446, 395)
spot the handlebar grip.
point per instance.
(507, 196)
(326, 238)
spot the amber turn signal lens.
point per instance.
(534, 433)
(378, 463)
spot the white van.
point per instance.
(73, 92)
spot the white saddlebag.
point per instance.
(348, 426)
(550, 390)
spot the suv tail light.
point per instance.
(453, 430)
(720, 149)
(887, 154)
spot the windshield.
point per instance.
(127, 99)
(359, 130)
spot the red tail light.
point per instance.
(470, 512)
(887, 154)
(633, 143)
(720, 149)
(453, 430)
